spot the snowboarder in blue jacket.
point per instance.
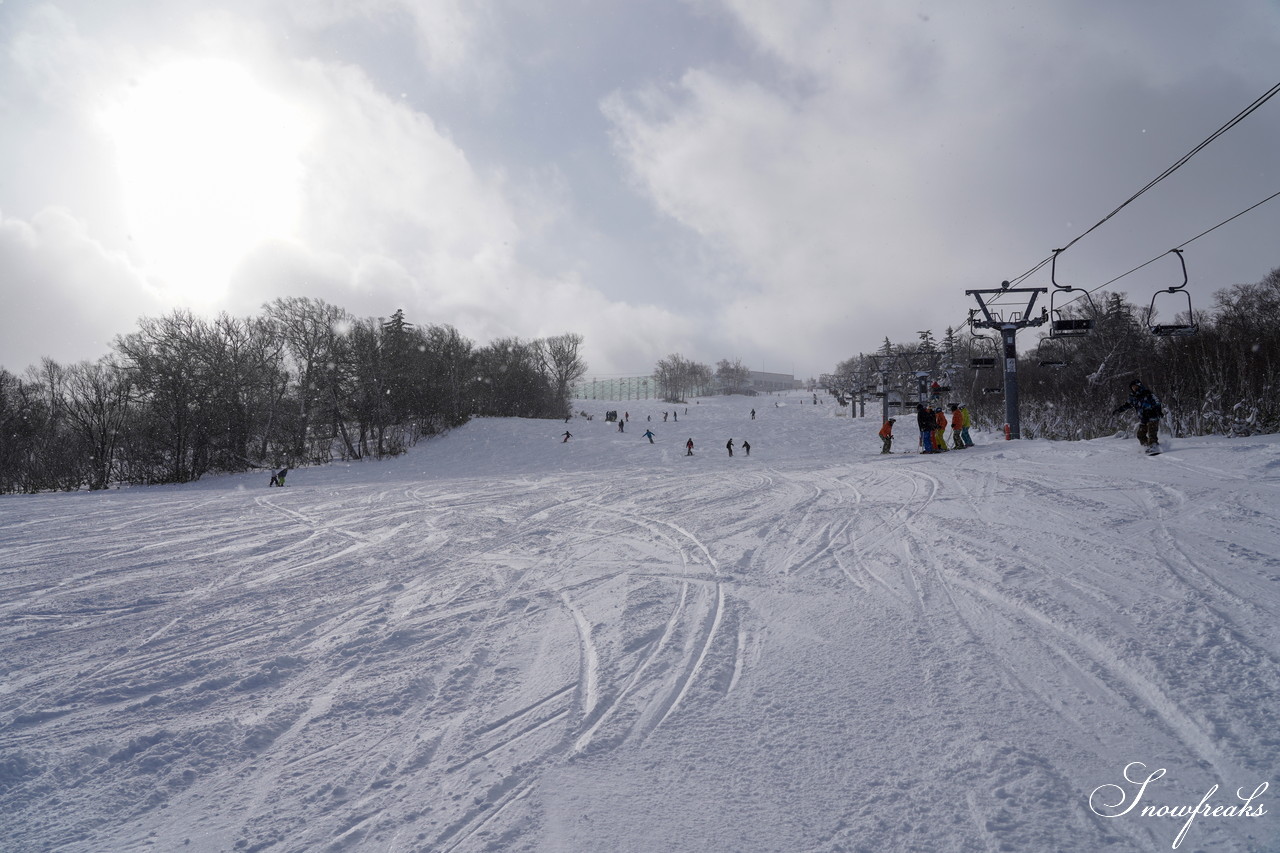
(1149, 410)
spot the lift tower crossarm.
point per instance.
(995, 321)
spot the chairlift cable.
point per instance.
(1179, 163)
(1183, 244)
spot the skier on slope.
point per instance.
(940, 430)
(957, 427)
(649, 435)
(277, 479)
(965, 422)
(729, 447)
(746, 447)
(886, 435)
(688, 447)
(567, 435)
(925, 422)
(1149, 410)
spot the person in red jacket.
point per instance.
(886, 436)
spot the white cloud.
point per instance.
(903, 154)
(811, 176)
(65, 295)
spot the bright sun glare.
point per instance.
(209, 166)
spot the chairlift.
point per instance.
(1178, 295)
(980, 343)
(1053, 355)
(1067, 327)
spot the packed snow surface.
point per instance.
(505, 641)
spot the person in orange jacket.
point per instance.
(886, 435)
(940, 434)
(957, 427)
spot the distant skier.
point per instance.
(649, 435)
(621, 424)
(1149, 410)
(886, 436)
(277, 479)
(753, 414)
(567, 435)
(746, 447)
(729, 447)
(688, 447)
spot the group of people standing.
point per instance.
(933, 423)
(933, 428)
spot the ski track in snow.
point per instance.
(505, 642)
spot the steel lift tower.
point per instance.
(1008, 322)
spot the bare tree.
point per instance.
(310, 329)
(734, 376)
(562, 361)
(97, 407)
(677, 377)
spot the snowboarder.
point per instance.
(746, 447)
(649, 435)
(688, 447)
(729, 447)
(886, 436)
(567, 435)
(277, 479)
(1149, 410)
(965, 423)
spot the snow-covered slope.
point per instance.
(503, 641)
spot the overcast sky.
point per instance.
(786, 183)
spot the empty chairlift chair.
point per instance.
(1176, 298)
(1067, 327)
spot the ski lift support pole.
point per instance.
(1008, 328)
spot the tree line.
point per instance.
(302, 383)
(677, 378)
(1221, 380)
